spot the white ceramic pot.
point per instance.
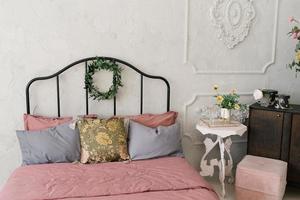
(225, 114)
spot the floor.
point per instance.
(290, 194)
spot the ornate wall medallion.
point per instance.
(233, 19)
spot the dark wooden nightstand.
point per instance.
(275, 133)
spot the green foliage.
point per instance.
(230, 101)
(102, 64)
(297, 47)
(295, 65)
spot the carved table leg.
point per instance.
(229, 166)
(222, 165)
(208, 170)
(225, 170)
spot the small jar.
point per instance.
(269, 97)
(282, 101)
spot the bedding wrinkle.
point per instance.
(170, 178)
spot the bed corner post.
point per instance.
(27, 100)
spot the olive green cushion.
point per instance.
(102, 140)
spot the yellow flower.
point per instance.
(233, 91)
(219, 99)
(237, 107)
(216, 87)
(297, 58)
(103, 139)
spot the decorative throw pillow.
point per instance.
(54, 145)
(146, 142)
(154, 120)
(36, 122)
(102, 140)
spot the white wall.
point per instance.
(40, 37)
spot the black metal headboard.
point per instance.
(85, 60)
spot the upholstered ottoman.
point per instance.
(259, 178)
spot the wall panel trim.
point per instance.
(197, 71)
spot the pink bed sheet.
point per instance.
(163, 179)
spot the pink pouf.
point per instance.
(259, 178)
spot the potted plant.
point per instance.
(295, 34)
(227, 102)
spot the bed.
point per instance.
(165, 178)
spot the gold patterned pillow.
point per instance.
(102, 140)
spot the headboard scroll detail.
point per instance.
(85, 61)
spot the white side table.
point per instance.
(221, 133)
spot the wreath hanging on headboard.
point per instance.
(103, 64)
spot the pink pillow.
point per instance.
(35, 122)
(155, 120)
(89, 116)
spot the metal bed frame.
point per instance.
(85, 61)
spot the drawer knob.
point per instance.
(278, 115)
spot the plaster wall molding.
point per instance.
(265, 67)
(233, 20)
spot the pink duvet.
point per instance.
(162, 179)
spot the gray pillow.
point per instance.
(54, 145)
(146, 142)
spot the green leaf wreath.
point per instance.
(103, 64)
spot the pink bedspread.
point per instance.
(162, 179)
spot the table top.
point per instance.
(221, 131)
